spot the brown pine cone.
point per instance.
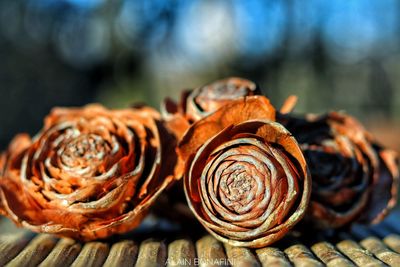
(200, 102)
(354, 179)
(245, 179)
(89, 173)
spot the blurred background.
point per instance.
(332, 54)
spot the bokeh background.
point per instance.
(333, 54)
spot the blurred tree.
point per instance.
(333, 54)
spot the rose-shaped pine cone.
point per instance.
(354, 179)
(194, 105)
(200, 102)
(90, 172)
(245, 179)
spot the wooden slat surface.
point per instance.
(181, 253)
(152, 253)
(361, 246)
(272, 256)
(63, 254)
(122, 254)
(357, 254)
(301, 256)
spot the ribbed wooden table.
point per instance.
(361, 246)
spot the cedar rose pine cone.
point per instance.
(245, 178)
(194, 105)
(90, 172)
(354, 179)
(200, 102)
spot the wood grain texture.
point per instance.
(63, 254)
(328, 254)
(381, 251)
(11, 246)
(93, 254)
(210, 252)
(181, 253)
(360, 247)
(122, 254)
(359, 255)
(273, 257)
(35, 252)
(152, 253)
(301, 256)
(241, 257)
(393, 242)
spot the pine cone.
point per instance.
(245, 178)
(90, 172)
(354, 178)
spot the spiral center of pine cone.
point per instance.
(84, 150)
(329, 166)
(237, 181)
(325, 166)
(238, 185)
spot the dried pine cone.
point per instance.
(90, 172)
(200, 102)
(245, 178)
(354, 179)
(193, 105)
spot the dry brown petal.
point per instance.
(384, 190)
(353, 178)
(246, 179)
(289, 105)
(90, 172)
(248, 108)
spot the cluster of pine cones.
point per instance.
(250, 172)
